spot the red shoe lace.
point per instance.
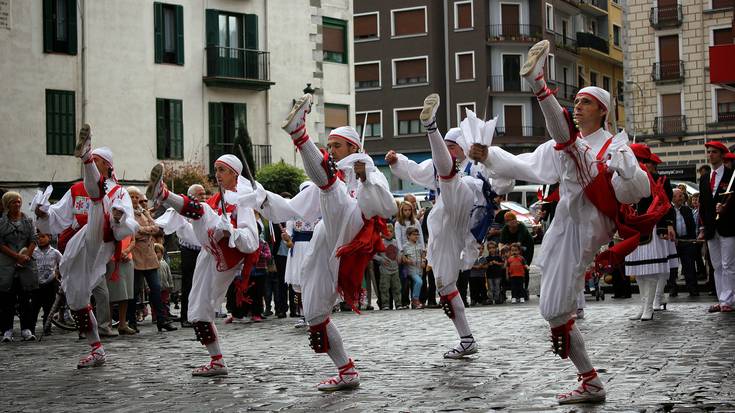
(343, 371)
(585, 378)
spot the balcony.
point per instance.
(668, 72)
(238, 68)
(523, 138)
(564, 91)
(261, 155)
(566, 43)
(666, 17)
(507, 84)
(594, 7)
(670, 125)
(589, 40)
(528, 131)
(517, 33)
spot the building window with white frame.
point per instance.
(409, 22)
(464, 18)
(366, 26)
(606, 83)
(410, 71)
(367, 75)
(725, 105)
(407, 122)
(462, 110)
(616, 35)
(551, 67)
(374, 125)
(549, 17)
(464, 65)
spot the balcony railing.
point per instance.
(527, 33)
(500, 83)
(668, 16)
(670, 71)
(247, 68)
(565, 42)
(593, 42)
(529, 131)
(564, 90)
(367, 84)
(670, 125)
(261, 155)
(726, 112)
(599, 4)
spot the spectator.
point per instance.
(686, 233)
(495, 274)
(516, 269)
(389, 279)
(120, 284)
(428, 290)
(47, 260)
(257, 277)
(167, 280)
(189, 247)
(413, 259)
(516, 232)
(478, 291)
(699, 266)
(17, 269)
(281, 247)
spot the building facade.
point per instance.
(469, 52)
(673, 106)
(180, 81)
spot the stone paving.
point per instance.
(684, 360)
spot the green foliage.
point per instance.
(180, 176)
(281, 177)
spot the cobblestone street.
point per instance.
(683, 360)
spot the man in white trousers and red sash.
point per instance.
(598, 176)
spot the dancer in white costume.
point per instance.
(353, 197)
(91, 218)
(226, 230)
(597, 174)
(460, 187)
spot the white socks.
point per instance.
(93, 335)
(91, 178)
(213, 347)
(336, 348)
(577, 351)
(460, 317)
(440, 154)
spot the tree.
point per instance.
(179, 176)
(281, 177)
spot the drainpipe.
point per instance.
(267, 92)
(446, 65)
(83, 70)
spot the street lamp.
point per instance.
(640, 90)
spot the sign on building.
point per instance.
(5, 14)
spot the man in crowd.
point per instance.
(686, 234)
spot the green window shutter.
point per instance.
(177, 130)
(160, 129)
(48, 29)
(158, 32)
(251, 31)
(71, 18)
(212, 27)
(180, 36)
(60, 122)
(215, 131)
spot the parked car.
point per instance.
(525, 195)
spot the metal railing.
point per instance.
(564, 90)
(261, 155)
(500, 83)
(367, 84)
(669, 16)
(565, 42)
(668, 71)
(726, 112)
(600, 4)
(513, 33)
(535, 131)
(670, 125)
(238, 63)
(592, 41)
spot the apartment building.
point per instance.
(180, 81)
(674, 107)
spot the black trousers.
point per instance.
(8, 301)
(462, 283)
(687, 253)
(516, 286)
(279, 287)
(478, 289)
(188, 262)
(428, 289)
(43, 298)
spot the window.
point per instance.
(461, 112)
(407, 122)
(551, 67)
(721, 4)
(606, 83)
(464, 65)
(374, 126)
(60, 26)
(616, 35)
(169, 129)
(60, 122)
(367, 75)
(232, 45)
(408, 22)
(335, 116)
(463, 15)
(168, 33)
(581, 82)
(549, 17)
(335, 40)
(722, 36)
(593, 78)
(228, 129)
(620, 91)
(410, 71)
(367, 26)
(725, 105)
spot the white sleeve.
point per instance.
(374, 196)
(399, 232)
(629, 191)
(60, 216)
(289, 227)
(537, 166)
(420, 174)
(245, 236)
(305, 205)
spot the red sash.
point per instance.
(629, 225)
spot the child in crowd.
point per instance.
(495, 274)
(516, 269)
(257, 278)
(167, 280)
(47, 260)
(413, 260)
(389, 279)
(478, 290)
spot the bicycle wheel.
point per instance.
(60, 316)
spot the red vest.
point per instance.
(80, 208)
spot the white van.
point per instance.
(525, 195)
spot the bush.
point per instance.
(180, 176)
(281, 177)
